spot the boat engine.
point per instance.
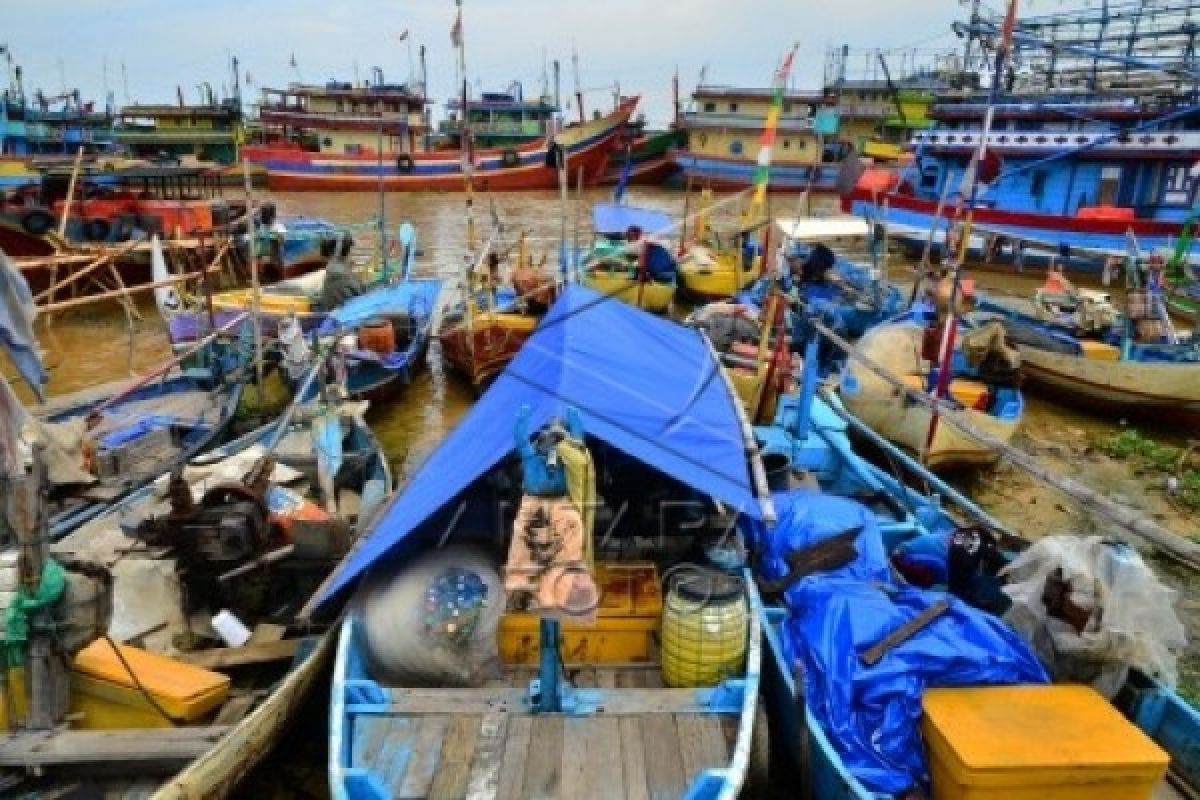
(229, 525)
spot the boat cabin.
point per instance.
(499, 119)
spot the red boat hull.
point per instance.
(528, 166)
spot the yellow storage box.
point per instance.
(1036, 743)
(1099, 351)
(626, 622)
(104, 695)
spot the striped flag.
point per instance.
(403, 35)
(762, 169)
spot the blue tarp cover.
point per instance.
(615, 218)
(647, 386)
(414, 296)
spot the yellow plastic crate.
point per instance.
(1036, 743)
(105, 696)
(626, 622)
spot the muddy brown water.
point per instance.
(91, 346)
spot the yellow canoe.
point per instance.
(651, 296)
(709, 277)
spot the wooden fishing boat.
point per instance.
(131, 735)
(995, 409)
(819, 475)
(597, 721)
(109, 441)
(639, 272)
(712, 274)
(479, 348)
(296, 298)
(1150, 380)
(531, 165)
(1185, 302)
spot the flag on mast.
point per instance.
(456, 32)
(292, 61)
(403, 35)
(762, 169)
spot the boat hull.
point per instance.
(1091, 240)
(483, 350)
(1153, 390)
(714, 172)
(528, 166)
(876, 402)
(653, 297)
(714, 283)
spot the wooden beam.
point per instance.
(160, 751)
(258, 653)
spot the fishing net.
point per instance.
(434, 621)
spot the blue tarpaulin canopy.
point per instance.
(616, 218)
(646, 386)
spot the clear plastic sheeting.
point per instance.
(434, 621)
(1092, 609)
(872, 714)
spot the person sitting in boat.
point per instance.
(340, 282)
(550, 555)
(815, 269)
(638, 252)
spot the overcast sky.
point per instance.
(165, 43)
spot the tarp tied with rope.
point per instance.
(646, 386)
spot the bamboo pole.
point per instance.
(76, 275)
(116, 294)
(66, 214)
(1149, 531)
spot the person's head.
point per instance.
(633, 233)
(549, 436)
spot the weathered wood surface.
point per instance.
(250, 653)
(125, 751)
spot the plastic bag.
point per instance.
(872, 713)
(434, 620)
(1116, 614)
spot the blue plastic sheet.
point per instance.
(616, 218)
(416, 297)
(137, 430)
(872, 714)
(612, 362)
(805, 518)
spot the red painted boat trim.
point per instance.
(1050, 222)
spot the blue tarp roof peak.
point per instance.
(616, 218)
(646, 386)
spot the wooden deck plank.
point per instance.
(425, 757)
(154, 750)
(606, 678)
(458, 750)
(664, 769)
(574, 757)
(701, 743)
(633, 759)
(604, 771)
(395, 754)
(631, 679)
(544, 765)
(584, 678)
(516, 752)
(484, 775)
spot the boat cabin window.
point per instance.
(1030, 125)
(1176, 186)
(710, 107)
(733, 107)
(929, 176)
(735, 147)
(1110, 179)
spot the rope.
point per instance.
(137, 681)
